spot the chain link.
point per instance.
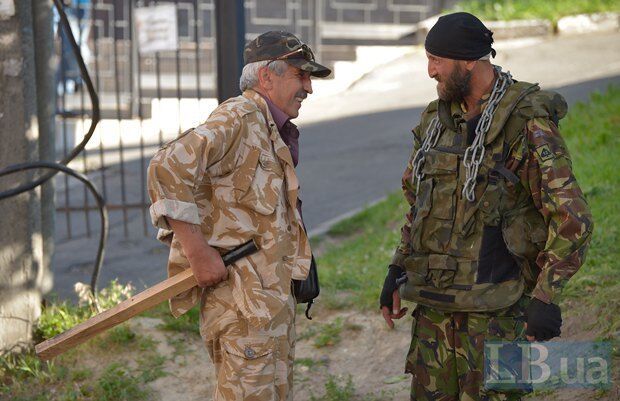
(430, 141)
(475, 152)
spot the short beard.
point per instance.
(456, 86)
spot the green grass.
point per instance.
(353, 268)
(336, 389)
(25, 377)
(591, 132)
(351, 271)
(186, 323)
(119, 384)
(551, 10)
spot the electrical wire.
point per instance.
(103, 212)
(62, 165)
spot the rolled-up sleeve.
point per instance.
(179, 167)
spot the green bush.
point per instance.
(551, 10)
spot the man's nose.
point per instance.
(308, 85)
(431, 70)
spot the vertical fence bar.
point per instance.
(178, 68)
(95, 29)
(197, 48)
(120, 136)
(141, 124)
(62, 112)
(81, 12)
(158, 88)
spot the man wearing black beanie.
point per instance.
(497, 225)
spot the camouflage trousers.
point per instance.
(446, 356)
(251, 364)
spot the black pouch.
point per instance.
(305, 291)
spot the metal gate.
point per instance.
(147, 98)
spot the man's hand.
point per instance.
(390, 299)
(208, 267)
(206, 262)
(543, 321)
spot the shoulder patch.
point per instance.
(544, 153)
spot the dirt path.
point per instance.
(367, 352)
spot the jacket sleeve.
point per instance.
(178, 168)
(409, 190)
(557, 196)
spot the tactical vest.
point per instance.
(481, 255)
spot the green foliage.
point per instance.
(186, 323)
(118, 384)
(551, 10)
(25, 377)
(337, 389)
(120, 335)
(591, 133)
(328, 334)
(151, 367)
(307, 362)
(23, 366)
(59, 317)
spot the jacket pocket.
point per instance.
(442, 167)
(441, 271)
(258, 182)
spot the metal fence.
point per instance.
(149, 98)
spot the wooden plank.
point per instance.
(131, 307)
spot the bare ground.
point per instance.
(369, 353)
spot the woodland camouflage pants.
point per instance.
(446, 355)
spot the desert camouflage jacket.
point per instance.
(234, 176)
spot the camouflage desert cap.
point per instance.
(281, 45)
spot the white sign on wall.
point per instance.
(7, 9)
(156, 28)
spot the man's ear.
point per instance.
(469, 64)
(264, 78)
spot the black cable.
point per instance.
(103, 212)
(96, 115)
(62, 165)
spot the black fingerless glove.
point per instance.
(390, 285)
(543, 320)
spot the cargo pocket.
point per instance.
(441, 271)
(259, 181)
(504, 331)
(422, 208)
(248, 366)
(442, 168)
(412, 355)
(525, 232)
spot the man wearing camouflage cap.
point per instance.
(497, 225)
(223, 183)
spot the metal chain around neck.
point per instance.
(430, 141)
(475, 152)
